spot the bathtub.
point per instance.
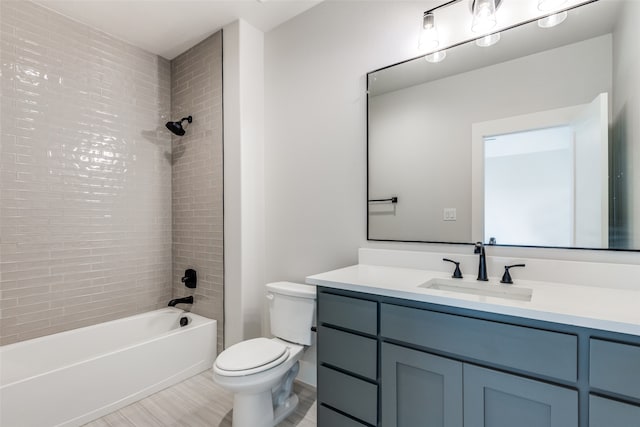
(73, 377)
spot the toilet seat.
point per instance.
(250, 357)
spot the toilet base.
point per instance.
(256, 410)
(284, 410)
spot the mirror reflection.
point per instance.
(533, 141)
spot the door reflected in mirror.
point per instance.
(528, 187)
(545, 177)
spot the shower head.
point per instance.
(176, 127)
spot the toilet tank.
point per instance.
(291, 310)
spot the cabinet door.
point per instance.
(330, 418)
(348, 394)
(615, 367)
(419, 389)
(350, 352)
(610, 413)
(496, 399)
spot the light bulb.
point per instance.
(429, 39)
(553, 20)
(489, 40)
(545, 5)
(436, 56)
(484, 16)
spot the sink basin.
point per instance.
(482, 289)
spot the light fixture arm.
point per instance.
(441, 6)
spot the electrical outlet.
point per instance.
(449, 214)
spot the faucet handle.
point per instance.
(457, 274)
(190, 278)
(506, 277)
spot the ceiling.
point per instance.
(170, 27)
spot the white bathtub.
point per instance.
(73, 377)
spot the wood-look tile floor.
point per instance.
(198, 402)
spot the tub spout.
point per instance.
(185, 300)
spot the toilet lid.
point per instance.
(250, 354)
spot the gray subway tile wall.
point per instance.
(86, 175)
(196, 84)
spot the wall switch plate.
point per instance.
(449, 214)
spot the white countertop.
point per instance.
(616, 310)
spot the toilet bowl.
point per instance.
(260, 371)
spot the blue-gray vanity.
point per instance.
(416, 361)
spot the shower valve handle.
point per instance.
(190, 278)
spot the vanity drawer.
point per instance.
(350, 395)
(330, 418)
(615, 367)
(350, 313)
(350, 352)
(541, 352)
(610, 413)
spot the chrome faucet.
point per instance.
(482, 264)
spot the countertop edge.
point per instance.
(528, 313)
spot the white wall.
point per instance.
(243, 86)
(315, 147)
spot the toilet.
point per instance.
(260, 371)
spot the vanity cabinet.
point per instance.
(391, 362)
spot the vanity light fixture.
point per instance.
(429, 34)
(488, 40)
(552, 20)
(436, 57)
(483, 20)
(484, 15)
